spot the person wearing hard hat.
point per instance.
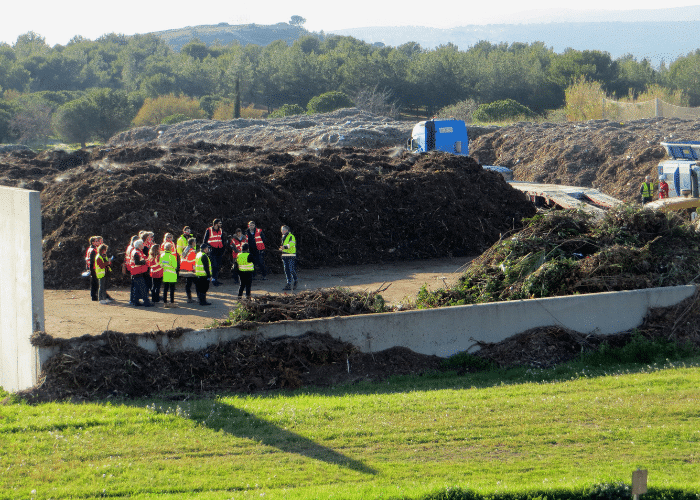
(663, 187)
(647, 190)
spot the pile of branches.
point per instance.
(319, 303)
(113, 365)
(568, 252)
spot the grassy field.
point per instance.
(498, 432)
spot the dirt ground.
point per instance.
(71, 313)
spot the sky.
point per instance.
(58, 22)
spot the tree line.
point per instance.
(106, 82)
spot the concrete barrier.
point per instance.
(448, 330)
(21, 287)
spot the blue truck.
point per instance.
(449, 136)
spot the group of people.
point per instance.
(154, 266)
(646, 191)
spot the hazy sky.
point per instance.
(59, 21)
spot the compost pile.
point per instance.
(345, 206)
(568, 252)
(610, 156)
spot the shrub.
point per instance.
(287, 110)
(176, 118)
(155, 110)
(506, 109)
(584, 100)
(462, 110)
(330, 101)
(227, 111)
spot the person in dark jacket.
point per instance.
(245, 267)
(256, 243)
(214, 237)
(203, 272)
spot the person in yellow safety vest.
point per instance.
(90, 255)
(289, 258)
(102, 264)
(202, 269)
(236, 243)
(246, 267)
(647, 190)
(182, 241)
(168, 261)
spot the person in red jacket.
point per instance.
(139, 268)
(155, 270)
(187, 267)
(663, 187)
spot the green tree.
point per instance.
(77, 120)
(196, 49)
(327, 102)
(287, 110)
(116, 111)
(684, 74)
(297, 21)
(502, 110)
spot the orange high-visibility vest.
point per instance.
(138, 269)
(215, 238)
(258, 239)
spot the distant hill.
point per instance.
(657, 35)
(656, 41)
(227, 34)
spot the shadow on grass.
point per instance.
(227, 418)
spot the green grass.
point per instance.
(499, 433)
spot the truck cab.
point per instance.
(682, 170)
(440, 135)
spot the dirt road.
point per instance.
(71, 313)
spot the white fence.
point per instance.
(626, 111)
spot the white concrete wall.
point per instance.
(449, 330)
(21, 287)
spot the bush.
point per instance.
(463, 110)
(176, 118)
(330, 101)
(227, 111)
(507, 109)
(154, 111)
(287, 110)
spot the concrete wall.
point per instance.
(449, 330)
(21, 287)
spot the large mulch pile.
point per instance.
(345, 206)
(611, 156)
